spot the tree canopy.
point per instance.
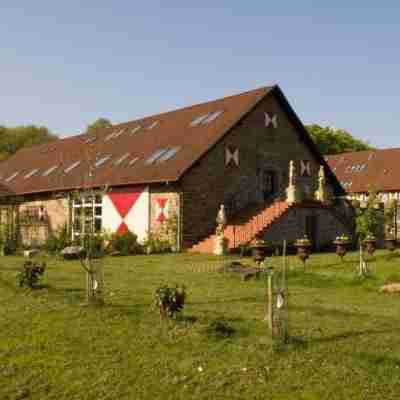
(335, 141)
(13, 139)
(100, 123)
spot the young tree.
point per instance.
(367, 218)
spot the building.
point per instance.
(185, 163)
(362, 171)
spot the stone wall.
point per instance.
(293, 225)
(262, 149)
(35, 230)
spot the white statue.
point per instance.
(292, 194)
(221, 216)
(321, 194)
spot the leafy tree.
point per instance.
(13, 139)
(335, 141)
(100, 123)
(367, 219)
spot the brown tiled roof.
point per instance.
(173, 130)
(362, 170)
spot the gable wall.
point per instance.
(210, 183)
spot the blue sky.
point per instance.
(64, 64)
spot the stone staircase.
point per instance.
(246, 227)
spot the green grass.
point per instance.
(344, 333)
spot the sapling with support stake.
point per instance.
(277, 303)
(91, 257)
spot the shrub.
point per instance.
(156, 243)
(58, 241)
(125, 243)
(219, 329)
(10, 247)
(30, 273)
(169, 301)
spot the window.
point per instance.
(50, 170)
(90, 140)
(135, 129)
(119, 133)
(155, 156)
(212, 117)
(101, 161)
(10, 178)
(30, 174)
(199, 120)
(152, 125)
(133, 161)
(168, 154)
(72, 166)
(109, 136)
(87, 215)
(122, 159)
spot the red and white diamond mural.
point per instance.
(162, 209)
(127, 209)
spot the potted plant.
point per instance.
(259, 249)
(370, 244)
(390, 242)
(341, 242)
(303, 246)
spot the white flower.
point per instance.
(200, 369)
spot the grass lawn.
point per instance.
(344, 333)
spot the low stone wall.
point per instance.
(294, 224)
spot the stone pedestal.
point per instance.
(220, 246)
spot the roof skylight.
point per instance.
(109, 136)
(30, 174)
(168, 154)
(153, 125)
(212, 117)
(134, 160)
(122, 159)
(90, 140)
(50, 170)
(119, 133)
(155, 156)
(135, 129)
(101, 161)
(199, 120)
(72, 166)
(10, 178)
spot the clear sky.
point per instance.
(65, 63)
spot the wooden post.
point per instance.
(270, 316)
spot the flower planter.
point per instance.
(341, 248)
(390, 244)
(259, 253)
(370, 246)
(303, 249)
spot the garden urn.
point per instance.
(259, 251)
(341, 244)
(303, 249)
(370, 245)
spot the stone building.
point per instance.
(184, 164)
